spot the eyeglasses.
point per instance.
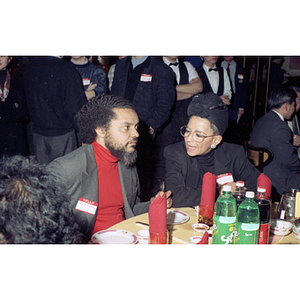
(185, 131)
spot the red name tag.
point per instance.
(86, 206)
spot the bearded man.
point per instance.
(101, 176)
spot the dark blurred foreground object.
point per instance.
(34, 207)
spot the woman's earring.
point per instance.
(213, 146)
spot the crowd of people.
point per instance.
(106, 142)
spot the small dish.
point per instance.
(280, 227)
(296, 232)
(200, 227)
(195, 239)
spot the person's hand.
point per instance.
(240, 113)
(91, 86)
(169, 199)
(296, 140)
(225, 99)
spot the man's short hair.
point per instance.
(34, 206)
(280, 96)
(98, 112)
(295, 88)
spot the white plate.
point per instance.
(114, 237)
(176, 217)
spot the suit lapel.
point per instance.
(126, 184)
(221, 162)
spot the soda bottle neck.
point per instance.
(261, 195)
(226, 193)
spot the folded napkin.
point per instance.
(158, 215)
(204, 239)
(208, 192)
(264, 181)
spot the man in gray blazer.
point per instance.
(101, 176)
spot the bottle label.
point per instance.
(223, 230)
(264, 232)
(246, 233)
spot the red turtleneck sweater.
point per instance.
(110, 207)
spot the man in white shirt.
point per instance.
(215, 79)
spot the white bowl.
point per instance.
(200, 227)
(296, 232)
(280, 227)
(195, 239)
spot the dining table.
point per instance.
(182, 232)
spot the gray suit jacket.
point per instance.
(78, 170)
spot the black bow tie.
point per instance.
(212, 69)
(173, 64)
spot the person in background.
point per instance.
(238, 82)
(13, 112)
(111, 73)
(204, 151)
(149, 84)
(34, 208)
(54, 94)
(271, 131)
(93, 77)
(277, 78)
(196, 61)
(294, 122)
(103, 183)
(215, 79)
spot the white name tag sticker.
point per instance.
(146, 77)
(86, 81)
(240, 76)
(86, 206)
(224, 178)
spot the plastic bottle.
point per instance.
(247, 221)
(239, 193)
(224, 218)
(264, 205)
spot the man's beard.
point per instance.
(119, 151)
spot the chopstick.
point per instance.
(143, 225)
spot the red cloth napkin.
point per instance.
(158, 215)
(264, 181)
(204, 239)
(208, 192)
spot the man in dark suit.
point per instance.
(100, 176)
(238, 82)
(149, 84)
(271, 131)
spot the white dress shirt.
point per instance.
(190, 69)
(213, 77)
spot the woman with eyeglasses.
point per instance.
(203, 151)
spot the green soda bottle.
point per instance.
(247, 221)
(224, 218)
